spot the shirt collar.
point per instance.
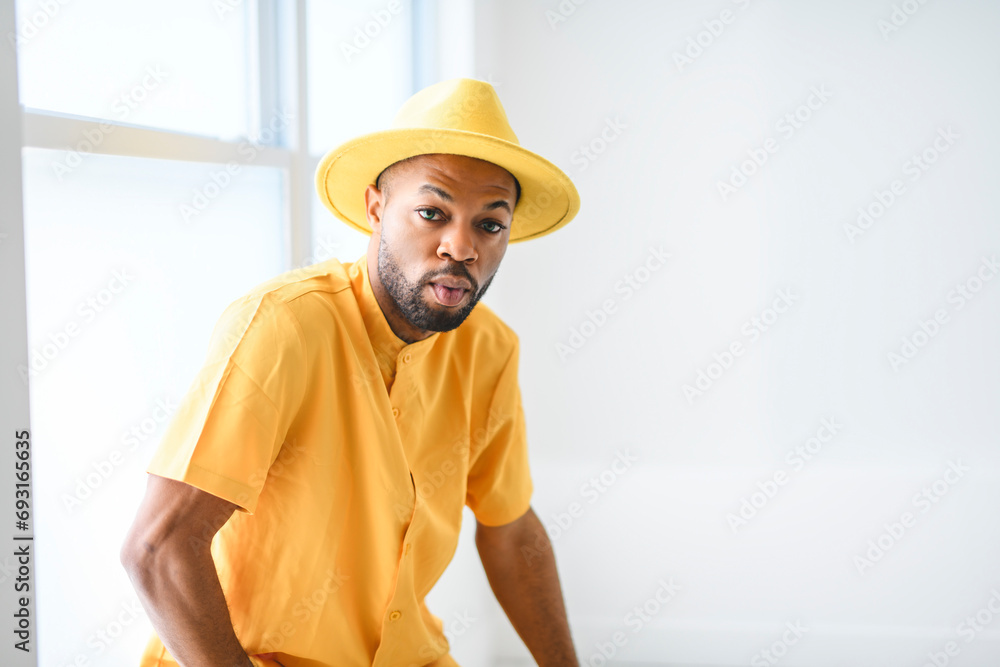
(385, 342)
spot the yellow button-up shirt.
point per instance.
(350, 454)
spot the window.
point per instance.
(168, 161)
(179, 66)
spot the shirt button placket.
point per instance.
(395, 615)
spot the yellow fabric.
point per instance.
(350, 495)
(461, 117)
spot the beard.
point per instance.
(409, 296)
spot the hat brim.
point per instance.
(549, 199)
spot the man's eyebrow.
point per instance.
(500, 203)
(427, 187)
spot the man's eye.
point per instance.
(422, 211)
(497, 227)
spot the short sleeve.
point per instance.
(499, 484)
(229, 426)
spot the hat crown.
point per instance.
(466, 105)
(454, 117)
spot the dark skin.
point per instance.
(167, 555)
(527, 587)
(460, 237)
(437, 217)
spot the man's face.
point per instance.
(441, 226)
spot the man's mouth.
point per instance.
(448, 296)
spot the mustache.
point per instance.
(455, 274)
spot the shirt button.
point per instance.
(406, 358)
(394, 615)
(395, 412)
(406, 549)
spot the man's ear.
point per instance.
(373, 207)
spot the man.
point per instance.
(309, 492)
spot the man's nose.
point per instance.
(458, 242)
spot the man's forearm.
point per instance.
(521, 569)
(182, 595)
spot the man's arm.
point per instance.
(521, 569)
(167, 555)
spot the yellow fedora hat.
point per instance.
(461, 117)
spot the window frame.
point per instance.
(277, 54)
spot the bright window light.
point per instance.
(360, 67)
(123, 293)
(179, 65)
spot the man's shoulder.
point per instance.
(328, 277)
(309, 294)
(293, 301)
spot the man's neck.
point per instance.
(397, 322)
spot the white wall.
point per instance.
(826, 357)
(655, 185)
